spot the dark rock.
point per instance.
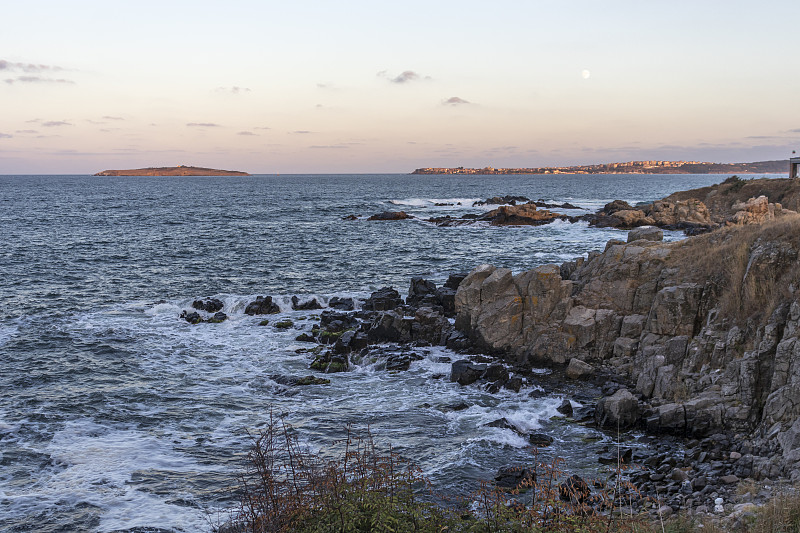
(351, 341)
(565, 408)
(501, 200)
(343, 304)
(511, 477)
(465, 372)
(284, 324)
(454, 280)
(503, 423)
(350, 217)
(211, 306)
(263, 305)
(192, 318)
(297, 305)
(218, 318)
(574, 489)
(496, 372)
(540, 440)
(391, 215)
(384, 299)
(447, 299)
(514, 384)
(390, 326)
(419, 289)
(620, 410)
(460, 406)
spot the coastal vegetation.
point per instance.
(180, 170)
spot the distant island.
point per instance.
(180, 170)
(630, 167)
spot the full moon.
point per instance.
(585, 73)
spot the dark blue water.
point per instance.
(115, 414)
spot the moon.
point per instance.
(586, 74)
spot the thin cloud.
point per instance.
(262, 128)
(328, 147)
(455, 100)
(404, 77)
(37, 79)
(28, 67)
(796, 130)
(31, 132)
(107, 117)
(203, 125)
(55, 123)
(232, 90)
(301, 132)
(5, 136)
(247, 133)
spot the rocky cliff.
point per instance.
(705, 332)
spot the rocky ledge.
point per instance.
(698, 338)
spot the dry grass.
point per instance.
(747, 287)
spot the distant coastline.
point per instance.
(172, 171)
(630, 167)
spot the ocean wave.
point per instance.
(431, 202)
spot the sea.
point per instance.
(117, 415)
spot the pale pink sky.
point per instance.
(357, 86)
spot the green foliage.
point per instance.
(735, 183)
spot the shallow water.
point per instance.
(116, 414)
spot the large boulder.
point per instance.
(465, 372)
(519, 215)
(618, 411)
(263, 305)
(391, 215)
(578, 369)
(421, 290)
(383, 299)
(646, 233)
(210, 306)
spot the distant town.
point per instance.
(629, 167)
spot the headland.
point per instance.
(180, 170)
(630, 167)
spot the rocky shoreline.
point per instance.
(693, 342)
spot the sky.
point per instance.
(375, 86)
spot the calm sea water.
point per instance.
(116, 415)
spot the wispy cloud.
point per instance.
(301, 132)
(29, 132)
(28, 67)
(262, 128)
(55, 123)
(455, 100)
(404, 77)
(796, 130)
(5, 136)
(107, 117)
(38, 79)
(203, 125)
(247, 133)
(328, 147)
(232, 90)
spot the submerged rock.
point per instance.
(391, 215)
(263, 305)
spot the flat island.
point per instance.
(180, 170)
(630, 167)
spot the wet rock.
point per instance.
(384, 299)
(329, 363)
(617, 205)
(515, 384)
(503, 423)
(192, 318)
(465, 372)
(210, 306)
(512, 477)
(305, 337)
(218, 318)
(454, 280)
(578, 369)
(284, 324)
(350, 217)
(540, 440)
(391, 215)
(334, 321)
(311, 380)
(297, 305)
(565, 408)
(501, 200)
(263, 305)
(343, 304)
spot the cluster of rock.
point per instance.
(213, 306)
(633, 312)
(421, 320)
